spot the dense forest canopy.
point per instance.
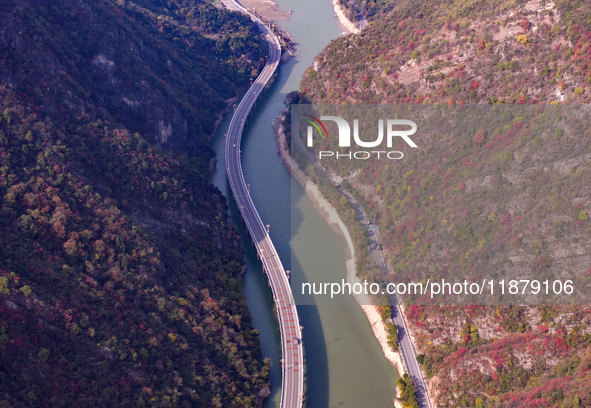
(120, 273)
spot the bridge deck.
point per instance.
(289, 324)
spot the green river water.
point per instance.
(344, 364)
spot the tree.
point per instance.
(542, 262)
(480, 137)
(516, 242)
(576, 402)
(407, 391)
(43, 355)
(386, 310)
(26, 290)
(392, 331)
(59, 230)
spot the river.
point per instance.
(344, 364)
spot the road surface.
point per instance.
(289, 324)
(407, 348)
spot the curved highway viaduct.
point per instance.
(289, 324)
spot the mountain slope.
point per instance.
(479, 200)
(120, 272)
(460, 52)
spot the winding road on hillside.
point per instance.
(407, 349)
(292, 389)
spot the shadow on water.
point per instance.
(316, 382)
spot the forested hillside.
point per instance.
(461, 52)
(370, 9)
(120, 273)
(483, 200)
(164, 71)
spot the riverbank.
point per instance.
(347, 24)
(268, 11)
(266, 8)
(329, 213)
(291, 49)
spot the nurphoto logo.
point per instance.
(394, 128)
